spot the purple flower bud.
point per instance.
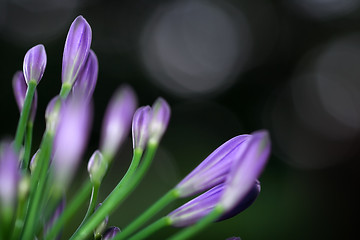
(97, 167)
(246, 169)
(159, 121)
(140, 127)
(199, 207)
(118, 116)
(70, 138)
(76, 49)
(34, 64)
(58, 211)
(9, 174)
(110, 233)
(233, 238)
(34, 160)
(20, 88)
(213, 170)
(86, 80)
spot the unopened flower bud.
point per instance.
(34, 160)
(140, 127)
(116, 124)
(159, 121)
(111, 233)
(76, 50)
(97, 167)
(34, 64)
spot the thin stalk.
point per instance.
(24, 116)
(199, 226)
(154, 227)
(149, 213)
(28, 142)
(119, 194)
(70, 210)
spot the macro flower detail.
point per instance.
(117, 120)
(97, 167)
(213, 170)
(76, 50)
(86, 80)
(110, 233)
(34, 64)
(159, 121)
(140, 125)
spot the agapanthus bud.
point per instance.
(160, 120)
(86, 80)
(246, 169)
(34, 64)
(118, 116)
(20, 88)
(110, 233)
(140, 127)
(52, 114)
(192, 211)
(34, 160)
(214, 169)
(100, 229)
(70, 138)
(97, 167)
(76, 50)
(9, 174)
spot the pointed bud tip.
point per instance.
(34, 63)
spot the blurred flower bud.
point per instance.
(110, 233)
(20, 88)
(34, 160)
(100, 229)
(140, 127)
(86, 80)
(34, 64)
(246, 169)
(9, 174)
(160, 120)
(194, 210)
(116, 124)
(24, 186)
(214, 169)
(97, 167)
(76, 50)
(70, 138)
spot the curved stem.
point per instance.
(150, 212)
(119, 194)
(70, 210)
(146, 232)
(28, 141)
(24, 116)
(201, 225)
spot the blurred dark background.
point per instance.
(227, 67)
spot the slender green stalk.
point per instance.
(70, 210)
(24, 116)
(119, 194)
(146, 232)
(28, 142)
(150, 212)
(37, 187)
(199, 226)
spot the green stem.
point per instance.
(28, 142)
(146, 232)
(70, 210)
(24, 116)
(201, 225)
(65, 90)
(20, 214)
(150, 212)
(37, 187)
(117, 195)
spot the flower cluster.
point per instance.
(33, 189)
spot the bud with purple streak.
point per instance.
(117, 121)
(159, 121)
(110, 233)
(70, 139)
(97, 167)
(100, 229)
(76, 50)
(86, 80)
(140, 127)
(34, 64)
